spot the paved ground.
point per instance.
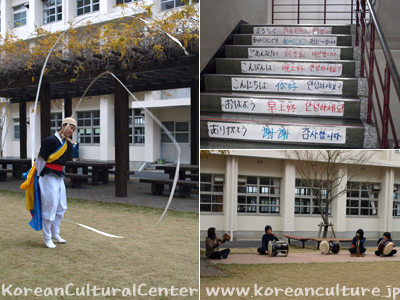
(300, 258)
(138, 193)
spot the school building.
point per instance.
(245, 190)
(95, 116)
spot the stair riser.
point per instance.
(288, 53)
(292, 29)
(284, 134)
(298, 41)
(226, 83)
(233, 66)
(274, 106)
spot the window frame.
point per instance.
(56, 117)
(91, 5)
(175, 132)
(212, 192)
(19, 9)
(176, 3)
(351, 190)
(396, 200)
(133, 126)
(56, 14)
(17, 123)
(313, 207)
(92, 127)
(252, 192)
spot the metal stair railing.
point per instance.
(370, 67)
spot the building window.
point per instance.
(89, 127)
(304, 201)
(179, 130)
(211, 193)
(168, 4)
(258, 195)
(19, 16)
(125, 1)
(396, 201)
(56, 122)
(52, 11)
(136, 126)
(87, 6)
(362, 199)
(16, 129)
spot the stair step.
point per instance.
(293, 40)
(263, 29)
(281, 84)
(276, 104)
(285, 67)
(289, 52)
(337, 133)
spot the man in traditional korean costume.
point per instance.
(46, 197)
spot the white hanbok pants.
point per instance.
(54, 204)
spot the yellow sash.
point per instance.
(29, 184)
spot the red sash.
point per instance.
(55, 167)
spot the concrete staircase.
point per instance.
(282, 86)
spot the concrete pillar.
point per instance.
(34, 14)
(287, 197)
(152, 138)
(339, 208)
(106, 127)
(230, 191)
(385, 205)
(6, 16)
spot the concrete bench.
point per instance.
(296, 237)
(3, 174)
(157, 186)
(333, 239)
(77, 179)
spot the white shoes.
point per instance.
(49, 243)
(58, 238)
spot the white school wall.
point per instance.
(251, 227)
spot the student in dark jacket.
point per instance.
(358, 238)
(212, 245)
(386, 236)
(268, 236)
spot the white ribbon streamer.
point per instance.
(146, 110)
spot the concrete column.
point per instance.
(106, 6)
(152, 138)
(34, 14)
(230, 191)
(287, 197)
(6, 16)
(339, 208)
(106, 127)
(385, 205)
(69, 11)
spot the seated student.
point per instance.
(268, 236)
(212, 245)
(386, 236)
(359, 238)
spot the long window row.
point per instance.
(52, 9)
(261, 195)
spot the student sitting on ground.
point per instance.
(386, 236)
(268, 236)
(212, 245)
(358, 239)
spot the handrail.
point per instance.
(370, 66)
(385, 48)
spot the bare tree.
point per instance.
(324, 171)
(5, 121)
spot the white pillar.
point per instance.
(385, 205)
(35, 15)
(287, 197)
(339, 208)
(69, 11)
(152, 138)
(6, 16)
(230, 191)
(106, 6)
(106, 127)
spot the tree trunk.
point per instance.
(326, 220)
